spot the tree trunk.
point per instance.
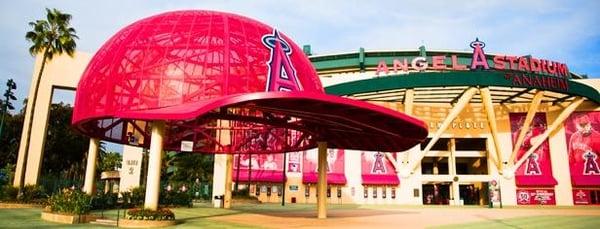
(30, 125)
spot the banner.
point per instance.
(377, 169)
(294, 159)
(586, 197)
(537, 168)
(264, 167)
(536, 197)
(582, 131)
(335, 166)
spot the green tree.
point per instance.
(110, 161)
(182, 167)
(64, 150)
(53, 36)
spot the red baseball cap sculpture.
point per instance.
(195, 69)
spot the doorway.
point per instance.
(436, 193)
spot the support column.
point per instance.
(486, 99)
(154, 165)
(90, 169)
(535, 103)
(322, 181)
(460, 105)
(557, 123)
(228, 181)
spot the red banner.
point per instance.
(583, 141)
(536, 197)
(335, 166)
(586, 197)
(265, 168)
(537, 169)
(378, 170)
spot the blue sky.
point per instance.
(565, 31)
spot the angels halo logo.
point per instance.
(281, 75)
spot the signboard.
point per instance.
(293, 188)
(536, 197)
(524, 71)
(586, 197)
(187, 146)
(582, 131)
(131, 168)
(537, 169)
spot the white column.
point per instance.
(154, 165)
(322, 181)
(90, 169)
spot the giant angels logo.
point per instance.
(590, 166)
(281, 75)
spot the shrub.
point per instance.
(9, 193)
(176, 199)
(33, 194)
(70, 202)
(104, 201)
(147, 214)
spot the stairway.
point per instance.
(105, 222)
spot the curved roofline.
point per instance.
(459, 78)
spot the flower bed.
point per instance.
(137, 218)
(68, 218)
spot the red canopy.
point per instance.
(535, 181)
(332, 178)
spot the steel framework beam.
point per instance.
(491, 117)
(535, 103)
(557, 122)
(458, 107)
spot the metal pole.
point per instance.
(283, 182)
(237, 173)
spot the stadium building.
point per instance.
(514, 130)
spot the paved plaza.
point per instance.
(348, 216)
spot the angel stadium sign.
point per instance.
(521, 71)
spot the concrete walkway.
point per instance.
(394, 217)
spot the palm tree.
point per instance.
(53, 36)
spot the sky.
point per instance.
(564, 31)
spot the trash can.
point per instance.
(219, 201)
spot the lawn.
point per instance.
(534, 222)
(198, 217)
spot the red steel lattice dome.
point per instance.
(193, 68)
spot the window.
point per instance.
(434, 165)
(471, 166)
(440, 145)
(470, 144)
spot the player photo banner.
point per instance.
(377, 169)
(294, 159)
(536, 197)
(536, 171)
(582, 131)
(258, 168)
(335, 167)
